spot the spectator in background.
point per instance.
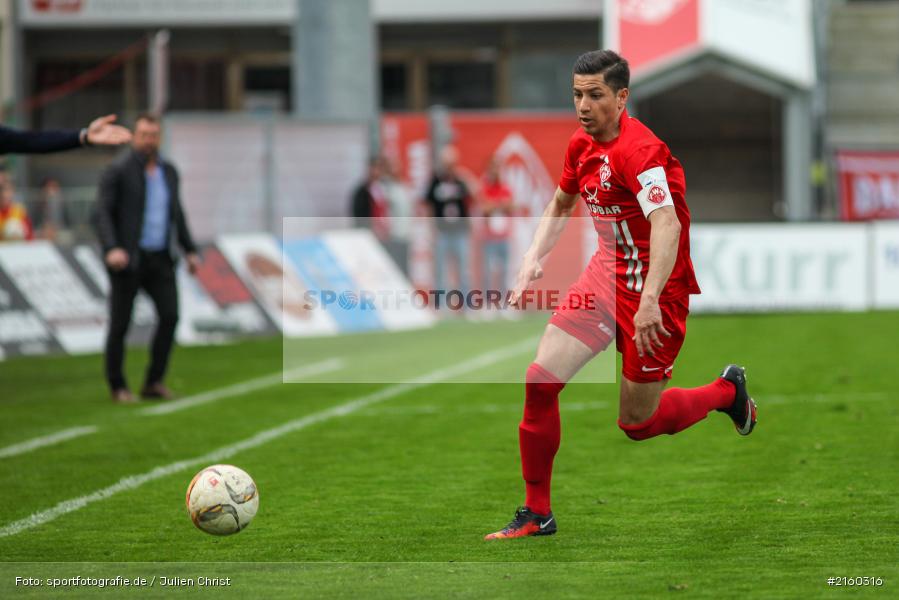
(15, 225)
(101, 132)
(139, 221)
(448, 197)
(49, 212)
(369, 204)
(401, 206)
(497, 207)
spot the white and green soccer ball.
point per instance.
(222, 499)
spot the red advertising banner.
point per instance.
(406, 140)
(530, 149)
(649, 32)
(868, 184)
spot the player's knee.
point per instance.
(636, 422)
(635, 431)
(538, 375)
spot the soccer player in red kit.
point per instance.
(633, 185)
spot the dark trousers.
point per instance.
(155, 273)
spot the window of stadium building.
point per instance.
(197, 84)
(394, 87)
(462, 84)
(267, 87)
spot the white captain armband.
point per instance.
(654, 192)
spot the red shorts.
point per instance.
(587, 318)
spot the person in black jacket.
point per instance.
(139, 222)
(101, 132)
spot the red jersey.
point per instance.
(498, 217)
(622, 182)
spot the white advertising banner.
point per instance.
(780, 267)
(75, 316)
(22, 332)
(885, 247)
(256, 258)
(372, 269)
(770, 36)
(774, 36)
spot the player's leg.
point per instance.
(559, 357)
(647, 409)
(638, 401)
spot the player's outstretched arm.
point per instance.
(664, 240)
(551, 225)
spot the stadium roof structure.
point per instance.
(768, 47)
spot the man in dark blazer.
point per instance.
(140, 221)
(101, 132)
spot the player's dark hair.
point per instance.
(613, 68)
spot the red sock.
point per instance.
(679, 408)
(538, 435)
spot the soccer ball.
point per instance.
(222, 499)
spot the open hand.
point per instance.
(530, 272)
(193, 263)
(648, 327)
(103, 132)
(117, 259)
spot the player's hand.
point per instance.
(103, 132)
(193, 263)
(117, 259)
(529, 272)
(648, 327)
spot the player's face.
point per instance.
(598, 106)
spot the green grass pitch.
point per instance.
(393, 499)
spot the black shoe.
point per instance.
(123, 396)
(743, 410)
(524, 524)
(156, 391)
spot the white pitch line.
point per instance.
(263, 437)
(245, 387)
(46, 440)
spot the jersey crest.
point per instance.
(605, 172)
